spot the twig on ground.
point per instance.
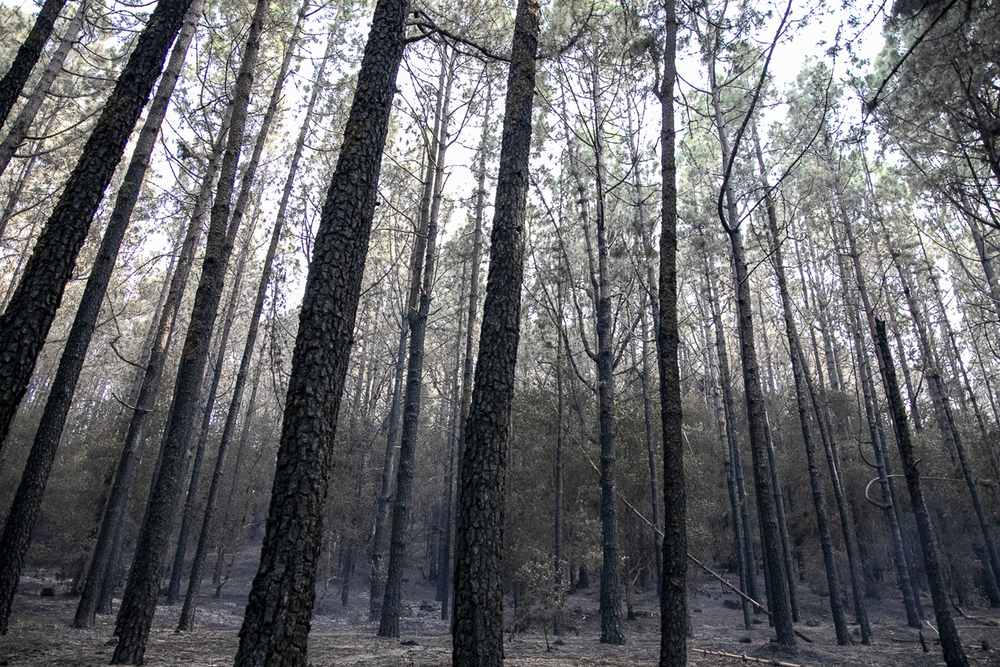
(746, 658)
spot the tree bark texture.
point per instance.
(27, 55)
(139, 600)
(25, 323)
(27, 501)
(186, 621)
(138, 428)
(191, 498)
(954, 654)
(477, 630)
(392, 600)
(19, 127)
(799, 371)
(279, 611)
(673, 590)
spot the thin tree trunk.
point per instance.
(389, 622)
(139, 600)
(954, 654)
(177, 571)
(447, 495)
(911, 393)
(904, 567)
(470, 329)
(477, 631)
(135, 438)
(612, 629)
(821, 408)
(279, 611)
(557, 621)
(946, 420)
(732, 440)
(19, 128)
(778, 579)
(25, 323)
(799, 372)
(27, 501)
(673, 591)
(27, 55)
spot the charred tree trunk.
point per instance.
(470, 330)
(28, 54)
(19, 128)
(25, 323)
(176, 574)
(389, 622)
(279, 611)
(477, 632)
(139, 600)
(954, 654)
(27, 501)
(799, 372)
(904, 568)
(673, 591)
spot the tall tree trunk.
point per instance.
(190, 501)
(612, 629)
(799, 372)
(946, 420)
(437, 147)
(904, 567)
(477, 631)
(28, 54)
(19, 128)
(234, 225)
(218, 578)
(25, 323)
(447, 494)
(473, 303)
(27, 501)
(954, 654)
(643, 231)
(279, 611)
(821, 408)
(673, 591)
(135, 438)
(186, 621)
(732, 439)
(139, 600)
(379, 569)
(778, 576)
(558, 530)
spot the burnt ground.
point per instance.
(40, 633)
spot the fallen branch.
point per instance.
(746, 658)
(742, 594)
(698, 562)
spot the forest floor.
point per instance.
(40, 633)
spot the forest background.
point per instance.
(873, 177)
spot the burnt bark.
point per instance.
(25, 323)
(389, 622)
(27, 501)
(279, 611)
(799, 372)
(27, 55)
(477, 631)
(673, 594)
(19, 127)
(954, 654)
(139, 600)
(105, 551)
